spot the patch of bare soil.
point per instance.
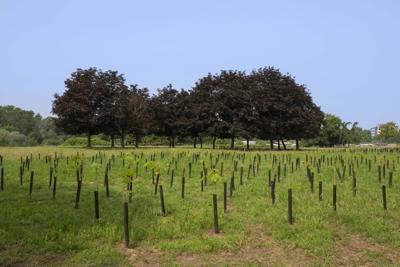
(258, 249)
(17, 255)
(354, 250)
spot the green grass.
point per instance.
(39, 230)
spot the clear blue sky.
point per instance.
(346, 52)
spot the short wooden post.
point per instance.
(31, 183)
(384, 197)
(183, 187)
(54, 186)
(2, 179)
(96, 204)
(334, 197)
(50, 177)
(225, 193)
(21, 174)
(241, 175)
(78, 193)
(320, 190)
(172, 178)
(216, 226)
(107, 184)
(273, 191)
(126, 224)
(156, 185)
(290, 206)
(162, 201)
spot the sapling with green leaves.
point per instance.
(215, 177)
(157, 166)
(127, 176)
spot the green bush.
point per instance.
(14, 138)
(153, 140)
(97, 140)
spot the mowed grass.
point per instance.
(38, 230)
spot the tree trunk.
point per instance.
(112, 141)
(201, 141)
(279, 145)
(89, 140)
(170, 141)
(247, 144)
(123, 139)
(271, 144)
(137, 140)
(214, 139)
(195, 142)
(283, 143)
(232, 142)
(173, 141)
(297, 144)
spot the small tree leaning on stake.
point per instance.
(129, 172)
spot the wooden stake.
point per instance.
(162, 201)
(126, 224)
(216, 226)
(290, 206)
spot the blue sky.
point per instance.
(346, 52)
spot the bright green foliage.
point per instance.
(389, 131)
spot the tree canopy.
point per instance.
(16, 119)
(264, 104)
(389, 131)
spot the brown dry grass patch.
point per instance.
(258, 249)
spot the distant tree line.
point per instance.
(20, 127)
(264, 104)
(334, 131)
(389, 132)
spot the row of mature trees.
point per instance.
(264, 104)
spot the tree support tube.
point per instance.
(89, 140)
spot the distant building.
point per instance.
(375, 131)
(251, 142)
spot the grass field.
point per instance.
(39, 230)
